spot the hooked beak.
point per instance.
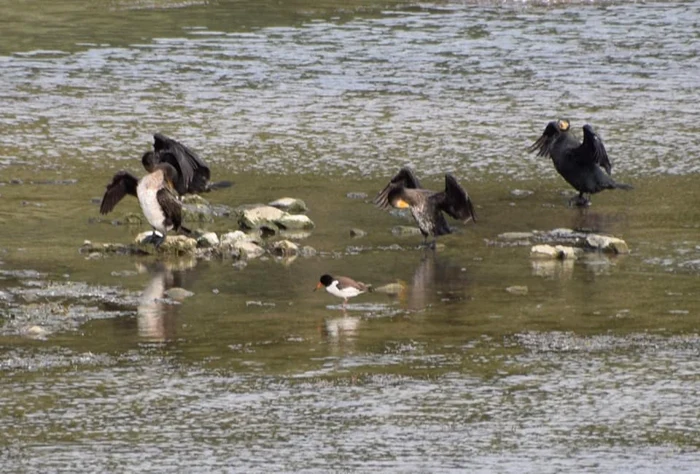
(319, 285)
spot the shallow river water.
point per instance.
(593, 368)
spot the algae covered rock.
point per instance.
(178, 245)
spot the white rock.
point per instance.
(253, 216)
(230, 238)
(249, 250)
(607, 244)
(208, 239)
(295, 222)
(290, 205)
(560, 251)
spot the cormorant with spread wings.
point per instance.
(193, 174)
(585, 166)
(427, 207)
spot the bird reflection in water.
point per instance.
(156, 314)
(437, 278)
(341, 331)
(587, 220)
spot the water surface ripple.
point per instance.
(458, 87)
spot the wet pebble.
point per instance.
(517, 290)
(356, 195)
(357, 233)
(405, 230)
(521, 192)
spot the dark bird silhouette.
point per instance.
(585, 166)
(193, 174)
(427, 207)
(156, 195)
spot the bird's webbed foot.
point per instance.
(579, 201)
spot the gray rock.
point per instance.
(308, 251)
(194, 199)
(178, 294)
(357, 233)
(208, 240)
(257, 216)
(197, 213)
(248, 250)
(405, 230)
(284, 248)
(290, 205)
(230, 238)
(607, 244)
(294, 222)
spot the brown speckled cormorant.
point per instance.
(404, 191)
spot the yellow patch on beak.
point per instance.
(563, 125)
(401, 204)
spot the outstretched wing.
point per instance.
(404, 179)
(592, 148)
(455, 201)
(193, 171)
(123, 183)
(542, 145)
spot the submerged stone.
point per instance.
(178, 294)
(284, 248)
(356, 195)
(248, 250)
(517, 290)
(405, 230)
(91, 249)
(392, 289)
(357, 233)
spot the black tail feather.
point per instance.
(185, 231)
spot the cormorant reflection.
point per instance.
(156, 313)
(436, 278)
